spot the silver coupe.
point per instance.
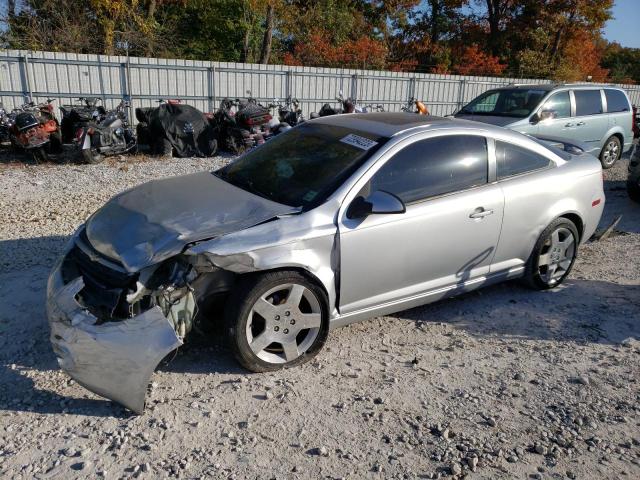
(340, 219)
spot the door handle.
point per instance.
(579, 124)
(567, 125)
(480, 212)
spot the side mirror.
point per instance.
(543, 115)
(379, 202)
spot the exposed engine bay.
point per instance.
(178, 286)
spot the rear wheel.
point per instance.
(277, 320)
(553, 255)
(91, 156)
(39, 155)
(611, 152)
(633, 188)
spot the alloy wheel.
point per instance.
(556, 255)
(610, 153)
(283, 323)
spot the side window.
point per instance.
(616, 101)
(434, 166)
(588, 102)
(488, 104)
(514, 160)
(560, 104)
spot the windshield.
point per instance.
(517, 102)
(303, 166)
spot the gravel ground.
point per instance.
(500, 383)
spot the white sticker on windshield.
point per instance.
(358, 141)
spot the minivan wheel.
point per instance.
(276, 320)
(611, 152)
(553, 255)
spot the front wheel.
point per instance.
(276, 320)
(611, 152)
(553, 255)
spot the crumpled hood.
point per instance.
(493, 120)
(154, 221)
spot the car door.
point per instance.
(559, 122)
(447, 235)
(590, 121)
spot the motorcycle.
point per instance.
(244, 127)
(289, 113)
(420, 107)
(112, 135)
(35, 129)
(6, 121)
(80, 115)
(347, 105)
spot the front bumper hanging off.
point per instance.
(113, 359)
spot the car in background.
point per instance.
(339, 219)
(599, 117)
(633, 180)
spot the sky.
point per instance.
(625, 25)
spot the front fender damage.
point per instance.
(115, 359)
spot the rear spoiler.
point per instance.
(570, 146)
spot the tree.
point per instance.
(473, 61)
(623, 63)
(265, 51)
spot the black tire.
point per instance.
(606, 159)
(240, 303)
(534, 271)
(39, 155)
(633, 188)
(165, 148)
(91, 156)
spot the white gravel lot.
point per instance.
(500, 383)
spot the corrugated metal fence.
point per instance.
(143, 81)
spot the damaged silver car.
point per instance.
(340, 219)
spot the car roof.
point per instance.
(547, 87)
(390, 124)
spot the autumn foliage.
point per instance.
(556, 39)
(473, 61)
(363, 52)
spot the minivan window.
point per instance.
(434, 166)
(588, 102)
(616, 101)
(516, 102)
(560, 104)
(513, 160)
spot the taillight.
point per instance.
(595, 203)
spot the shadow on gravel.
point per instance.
(580, 311)
(577, 311)
(30, 252)
(618, 203)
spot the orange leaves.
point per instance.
(473, 61)
(362, 52)
(581, 59)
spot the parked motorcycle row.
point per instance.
(171, 128)
(32, 128)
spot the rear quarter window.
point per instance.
(616, 101)
(514, 160)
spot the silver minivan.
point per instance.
(598, 116)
